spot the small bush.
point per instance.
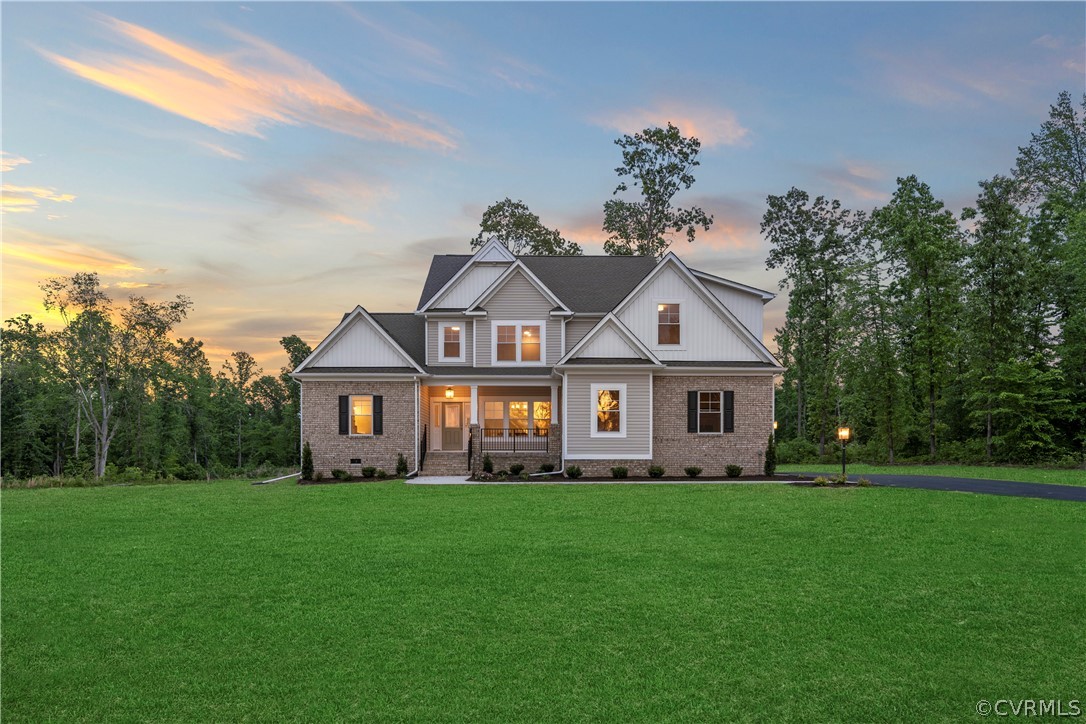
(307, 462)
(401, 465)
(382, 473)
(192, 471)
(525, 476)
(770, 467)
(655, 471)
(864, 483)
(839, 479)
(546, 468)
(573, 472)
(341, 474)
(368, 472)
(619, 472)
(484, 477)
(488, 464)
(821, 481)
(733, 471)
(503, 474)
(797, 451)
(516, 468)
(318, 476)
(692, 472)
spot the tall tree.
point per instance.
(660, 163)
(513, 224)
(297, 350)
(923, 247)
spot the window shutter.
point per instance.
(378, 415)
(729, 411)
(344, 414)
(692, 411)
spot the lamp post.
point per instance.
(843, 434)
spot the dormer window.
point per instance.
(452, 342)
(518, 342)
(668, 331)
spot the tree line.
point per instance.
(938, 337)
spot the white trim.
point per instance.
(474, 419)
(519, 324)
(477, 257)
(474, 352)
(356, 377)
(441, 327)
(711, 434)
(426, 347)
(652, 413)
(565, 407)
(351, 416)
(342, 326)
(500, 282)
(730, 371)
(490, 380)
(623, 403)
(563, 338)
(681, 303)
(572, 367)
(622, 329)
(755, 291)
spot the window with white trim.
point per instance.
(710, 413)
(362, 414)
(667, 323)
(518, 342)
(451, 342)
(608, 410)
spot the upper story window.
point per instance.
(362, 415)
(452, 342)
(667, 323)
(517, 342)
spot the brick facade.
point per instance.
(530, 459)
(320, 426)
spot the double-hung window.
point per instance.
(518, 342)
(710, 413)
(668, 329)
(451, 342)
(362, 414)
(608, 410)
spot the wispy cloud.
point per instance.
(53, 255)
(26, 199)
(255, 86)
(8, 161)
(712, 125)
(222, 151)
(858, 180)
(330, 195)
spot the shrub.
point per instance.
(525, 476)
(401, 465)
(655, 471)
(797, 451)
(840, 479)
(368, 472)
(573, 472)
(340, 474)
(318, 476)
(546, 468)
(619, 472)
(307, 462)
(864, 483)
(821, 481)
(771, 456)
(382, 473)
(192, 471)
(692, 472)
(733, 471)
(503, 474)
(484, 476)
(516, 468)
(488, 464)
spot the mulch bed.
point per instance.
(354, 479)
(646, 479)
(802, 482)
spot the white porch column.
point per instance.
(554, 402)
(475, 404)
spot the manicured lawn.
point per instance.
(1022, 475)
(379, 602)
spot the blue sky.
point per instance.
(282, 162)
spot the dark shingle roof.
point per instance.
(360, 370)
(590, 284)
(717, 363)
(609, 361)
(461, 371)
(407, 329)
(442, 269)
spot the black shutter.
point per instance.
(378, 415)
(729, 411)
(692, 411)
(344, 414)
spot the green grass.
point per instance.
(1023, 475)
(381, 601)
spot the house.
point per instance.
(594, 361)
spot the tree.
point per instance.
(1054, 162)
(660, 163)
(513, 224)
(297, 350)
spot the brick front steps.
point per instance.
(445, 463)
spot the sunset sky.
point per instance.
(282, 162)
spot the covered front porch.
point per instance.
(496, 417)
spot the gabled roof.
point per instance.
(610, 322)
(409, 331)
(518, 267)
(443, 268)
(766, 296)
(590, 284)
(362, 316)
(492, 252)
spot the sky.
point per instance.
(280, 163)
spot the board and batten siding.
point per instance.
(433, 341)
(518, 300)
(469, 287)
(360, 345)
(577, 328)
(581, 416)
(747, 307)
(704, 336)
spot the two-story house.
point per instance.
(594, 361)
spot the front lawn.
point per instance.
(1022, 475)
(383, 601)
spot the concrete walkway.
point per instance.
(974, 485)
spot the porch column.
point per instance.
(475, 404)
(554, 402)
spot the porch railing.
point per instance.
(505, 439)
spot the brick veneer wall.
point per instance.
(531, 459)
(320, 426)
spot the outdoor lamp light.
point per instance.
(449, 392)
(774, 426)
(843, 435)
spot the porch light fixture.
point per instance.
(774, 426)
(449, 392)
(843, 434)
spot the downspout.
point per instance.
(415, 472)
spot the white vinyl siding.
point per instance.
(576, 329)
(434, 342)
(581, 416)
(360, 345)
(747, 307)
(609, 344)
(518, 301)
(467, 288)
(705, 335)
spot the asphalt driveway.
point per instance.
(972, 485)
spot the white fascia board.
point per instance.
(485, 249)
(439, 380)
(500, 281)
(345, 377)
(723, 370)
(766, 296)
(611, 320)
(344, 323)
(573, 369)
(708, 297)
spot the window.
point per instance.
(542, 417)
(667, 323)
(710, 412)
(452, 342)
(518, 418)
(608, 410)
(519, 342)
(362, 415)
(493, 419)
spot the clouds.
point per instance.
(8, 161)
(712, 125)
(253, 87)
(17, 199)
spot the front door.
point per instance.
(452, 428)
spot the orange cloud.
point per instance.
(25, 199)
(713, 126)
(8, 161)
(256, 86)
